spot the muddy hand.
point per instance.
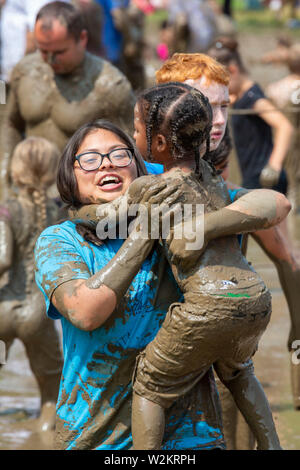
(269, 177)
(157, 209)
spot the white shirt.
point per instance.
(17, 16)
(201, 21)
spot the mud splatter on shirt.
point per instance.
(94, 403)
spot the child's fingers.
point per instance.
(164, 195)
(143, 188)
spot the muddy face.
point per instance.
(60, 50)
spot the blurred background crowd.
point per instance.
(117, 28)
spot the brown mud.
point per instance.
(19, 394)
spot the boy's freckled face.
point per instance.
(218, 96)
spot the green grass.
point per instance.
(261, 19)
(236, 4)
(246, 20)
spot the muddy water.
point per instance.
(19, 405)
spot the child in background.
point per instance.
(23, 312)
(166, 36)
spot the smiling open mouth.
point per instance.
(109, 180)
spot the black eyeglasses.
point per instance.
(90, 161)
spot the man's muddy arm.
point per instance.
(12, 132)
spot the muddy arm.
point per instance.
(11, 134)
(117, 211)
(254, 210)
(89, 303)
(6, 247)
(283, 132)
(257, 209)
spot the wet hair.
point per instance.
(218, 156)
(181, 113)
(34, 166)
(226, 51)
(68, 15)
(182, 67)
(66, 181)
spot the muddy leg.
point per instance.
(148, 423)
(275, 245)
(46, 365)
(237, 433)
(45, 358)
(47, 371)
(229, 415)
(7, 345)
(245, 439)
(253, 404)
(295, 379)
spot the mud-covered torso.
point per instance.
(221, 269)
(20, 214)
(56, 106)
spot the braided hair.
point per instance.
(34, 165)
(182, 114)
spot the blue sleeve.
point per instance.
(232, 195)
(57, 260)
(154, 168)
(110, 4)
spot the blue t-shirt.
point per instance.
(94, 402)
(154, 168)
(111, 37)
